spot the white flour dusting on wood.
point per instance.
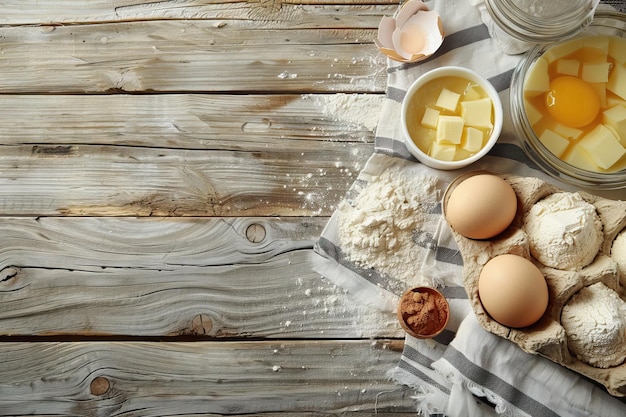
(354, 109)
(377, 230)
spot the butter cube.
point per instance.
(449, 129)
(448, 100)
(532, 113)
(617, 81)
(579, 158)
(562, 50)
(616, 118)
(477, 113)
(612, 129)
(568, 67)
(612, 100)
(555, 143)
(430, 118)
(597, 72)
(537, 80)
(567, 132)
(617, 49)
(602, 146)
(443, 152)
(473, 92)
(472, 139)
(600, 89)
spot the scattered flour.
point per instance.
(284, 75)
(357, 109)
(378, 229)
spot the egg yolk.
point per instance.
(572, 102)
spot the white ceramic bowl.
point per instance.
(407, 116)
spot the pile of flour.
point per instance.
(594, 321)
(378, 228)
(565, 231)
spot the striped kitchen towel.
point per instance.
(464, 371)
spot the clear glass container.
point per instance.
(604, 23)
(540, 21)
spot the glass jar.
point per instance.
(604, 23)
(541, 21)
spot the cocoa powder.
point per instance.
(424, 313)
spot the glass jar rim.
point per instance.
(529, 27)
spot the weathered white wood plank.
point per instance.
(276, 13)
(198, 56)
(167, 277)
(189, 121)
(203, 378)
(80, 180)
(91, 244)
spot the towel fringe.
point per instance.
(502, 407)
(428, 401)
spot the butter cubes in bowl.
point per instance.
(451, 117)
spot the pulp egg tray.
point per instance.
(547, 337)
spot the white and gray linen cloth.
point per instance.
(465, 371)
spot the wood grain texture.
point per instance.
(275, 13)
(189, 121)
(168, 277)
(181, 154)
(177, 56)
(82, 180)
(166, 169)
(227, 378)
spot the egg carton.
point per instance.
(547, 337)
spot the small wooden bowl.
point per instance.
(423, 312)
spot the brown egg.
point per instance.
(481, 206)
(513, 290)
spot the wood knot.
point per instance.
(201, 324)
(99, 386)
(8, 273)
(49, 151)
(255, 233)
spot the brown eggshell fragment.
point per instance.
(413, 34)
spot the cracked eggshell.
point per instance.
(414, 34)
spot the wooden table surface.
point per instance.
(166, 169)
